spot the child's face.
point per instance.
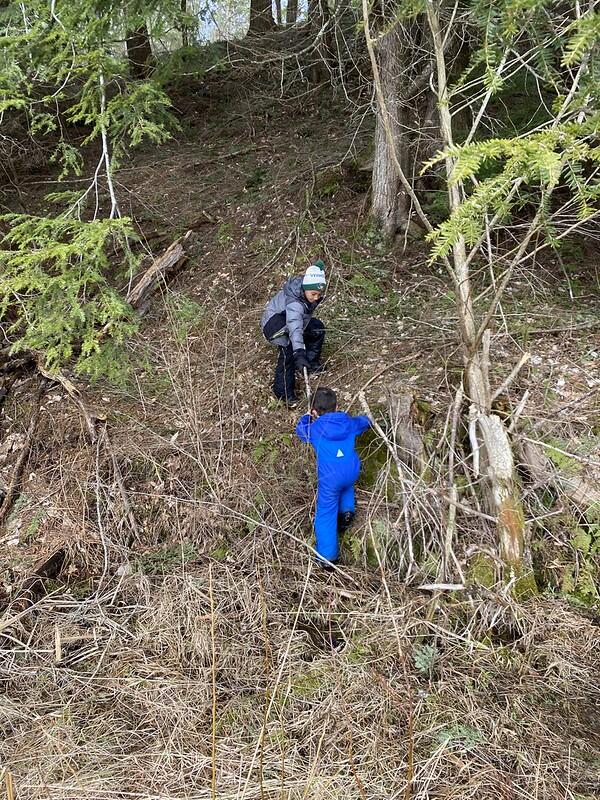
(312, 295)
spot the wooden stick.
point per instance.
(307, 387)
(513, 374)
(12, 489)
(8, 780)
(441, 587)
(583, 459)
(57, 644)
(518, 411)
(451, 520)
(173, 257)
(473, 415)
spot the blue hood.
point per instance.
(335, 426)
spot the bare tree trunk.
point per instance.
(318, 17)
(389, 205)
(185, 31)
(278, 11)
(139, 52)
(495, 452)
(261, 16)
(291, 12)
(428, 142)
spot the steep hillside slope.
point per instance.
(182, 644)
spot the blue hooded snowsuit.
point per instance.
(333, 437)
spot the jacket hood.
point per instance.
(293, 289)
(335, 425)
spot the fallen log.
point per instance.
(173, 257)
(583, 493)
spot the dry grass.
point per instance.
(315, 684)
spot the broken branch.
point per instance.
(173, 257)
(12, 489)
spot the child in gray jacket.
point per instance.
(288, 322)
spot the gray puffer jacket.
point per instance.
(298, 312)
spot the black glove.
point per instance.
(300, 360)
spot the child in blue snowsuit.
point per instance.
(332, 433)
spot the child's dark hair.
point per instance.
(324, 400)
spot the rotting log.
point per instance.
(582, 492)
(173, 257)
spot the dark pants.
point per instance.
(285, 376)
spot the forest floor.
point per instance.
(188, 648)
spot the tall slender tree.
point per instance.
(490, 181)
(261, 16)
(139, 52)
(291, 12)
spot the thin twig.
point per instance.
(510, 378)
(307, 387)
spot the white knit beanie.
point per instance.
(314, 277)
